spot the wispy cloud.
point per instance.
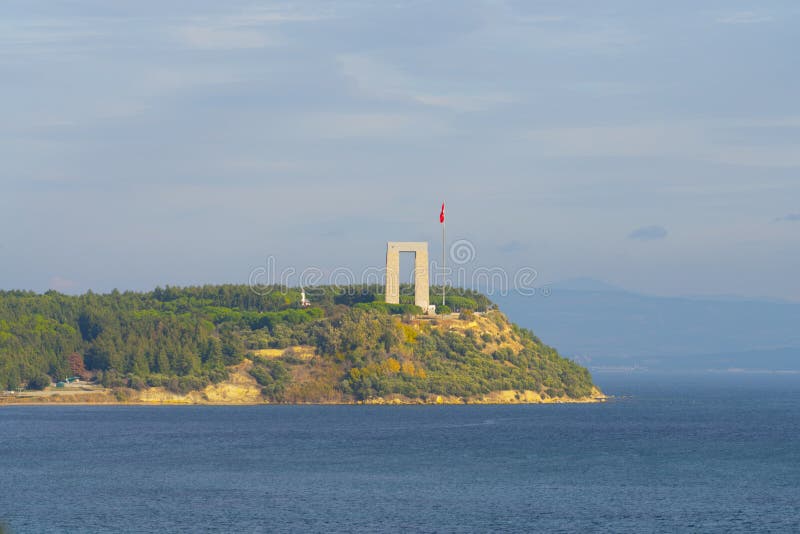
(61, 284)
(512, 247)
(23, 38)
(744, 17)
(332, 125)
(707, 140)
(615, 141)
(758, 156)
(378, 79)
(278, 15)
(595, 88)
(596, 38)
(464, 102)
(648, 233)
(254, 27)
(540, 19)
(215, 38)
(790, 217)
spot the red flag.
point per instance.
(441, 215)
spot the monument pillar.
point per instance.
(421, 288)
(392, 275)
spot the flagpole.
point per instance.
(444, 266)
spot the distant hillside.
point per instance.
(227, 343)
(604, 326)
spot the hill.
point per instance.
(603, 326)
(229, 344)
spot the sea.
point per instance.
(706, 452)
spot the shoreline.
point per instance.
(241, 389)
(166, 404)
(217, 404)
(370, 402)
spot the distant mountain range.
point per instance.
(603, 326)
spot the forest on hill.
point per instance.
(184, 339)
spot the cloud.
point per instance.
(44, 36)
(512, 247)
(616, 141)
(242, 30)
(648, 233)
(539, 19)
(595, 37)
(209, 38)
(275, 15)
(744, 17)
(464, 102)
(332, 125)
(380, 80)
(758, 156)
(596, 89)
(791, 217)
(62, 284)
(707, 140)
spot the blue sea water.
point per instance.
(673, 453)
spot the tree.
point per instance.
(162, 362)
(362, 348)
(392, 365)
(76, 365)
(39, 382)
(97, 358)
(212, 353)
(141, 367)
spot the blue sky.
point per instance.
(654, 145)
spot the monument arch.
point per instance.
(421, 278)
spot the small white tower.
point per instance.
(304, 302)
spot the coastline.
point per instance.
(111, 397)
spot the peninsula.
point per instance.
(227, 344)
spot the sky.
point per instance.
(653, 145)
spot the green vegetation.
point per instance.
(273, 376)
(438, 361)
(39, 382)
(186, 338)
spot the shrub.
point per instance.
(461, 303)
(136, 382)
(122, 394)
(291, 356)
(111, 379)
(172, 384)
(156, 380)
(39, 382)
(215, 376)
(190, 383)
(273, 376)
(393, 309)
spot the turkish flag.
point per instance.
(441, 215)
